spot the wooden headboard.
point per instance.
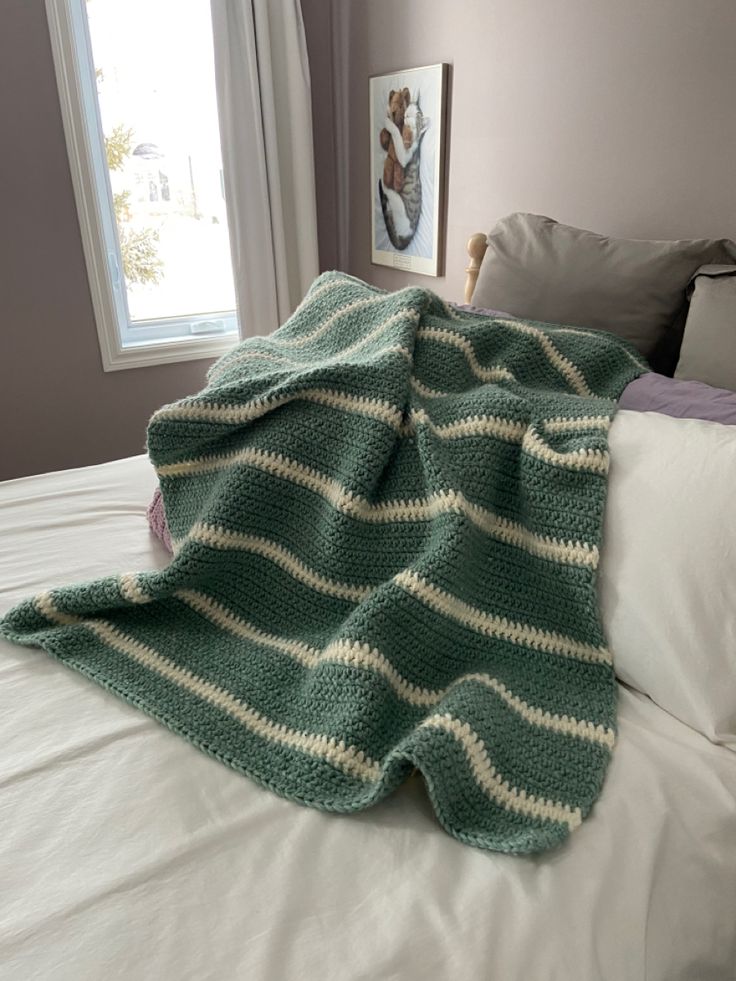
(477, 245)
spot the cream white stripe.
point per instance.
(509, 532)
(280, 359)
(566, 368)
(130, 590)
(494, 426)
(479, 425)
(512, 431)
(44, 603)
(544, 546)
(591, 332)
(221, 538)
(506, 429)
(426, 393)
(255, 409)
(410, 315)
(562, 425)
(347, 758)
(587, 331)
(592, 460)
(375, 408)
(569, 371)
(296, 341)
(450, 311)
(493, 783)
(336, 752)
(476, 425)
(224, 618)
(274, 463)
(398, 349)
(444, 502)
(494, 626)
(566, 725)
(326, 324)
(361, 655)
(293, 342)
(485, 374)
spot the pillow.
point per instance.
(675, 397)
(709, 346)
(667, 578)
(537, 268)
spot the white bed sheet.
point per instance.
(126, 853)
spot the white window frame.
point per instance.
(90, 178)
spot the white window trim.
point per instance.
(71, 97)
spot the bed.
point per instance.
(127, 853)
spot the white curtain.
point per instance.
(265, 111)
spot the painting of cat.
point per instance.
(401, 203)
(407, 158)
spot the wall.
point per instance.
(321, 26)
(58, 408)
(618, 117)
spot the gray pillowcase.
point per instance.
(709, 346)
(539, 269)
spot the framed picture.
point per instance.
(407, 118)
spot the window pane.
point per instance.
(156, 89)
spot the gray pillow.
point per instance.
(708, 351)
(540, 269)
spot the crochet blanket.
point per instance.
(386, 521)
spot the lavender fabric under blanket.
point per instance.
(157, 519)
(680, 398)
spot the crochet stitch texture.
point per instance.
(386, 520)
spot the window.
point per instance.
(137, 87)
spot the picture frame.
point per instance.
(407, 168)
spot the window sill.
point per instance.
(164, 352)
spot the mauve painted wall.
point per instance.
(614, 116)
(58, 408)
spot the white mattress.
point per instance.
(126, 853)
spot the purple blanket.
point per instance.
(157, 519)
(683, 399)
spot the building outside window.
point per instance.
(137, 86)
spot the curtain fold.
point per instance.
(264, 105)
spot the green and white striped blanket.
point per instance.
(386, 520)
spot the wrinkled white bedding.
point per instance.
(126, 853)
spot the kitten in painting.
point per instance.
(393, 171)
(401, 208)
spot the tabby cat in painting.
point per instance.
(401, 209)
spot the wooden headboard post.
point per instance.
(477, 245)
